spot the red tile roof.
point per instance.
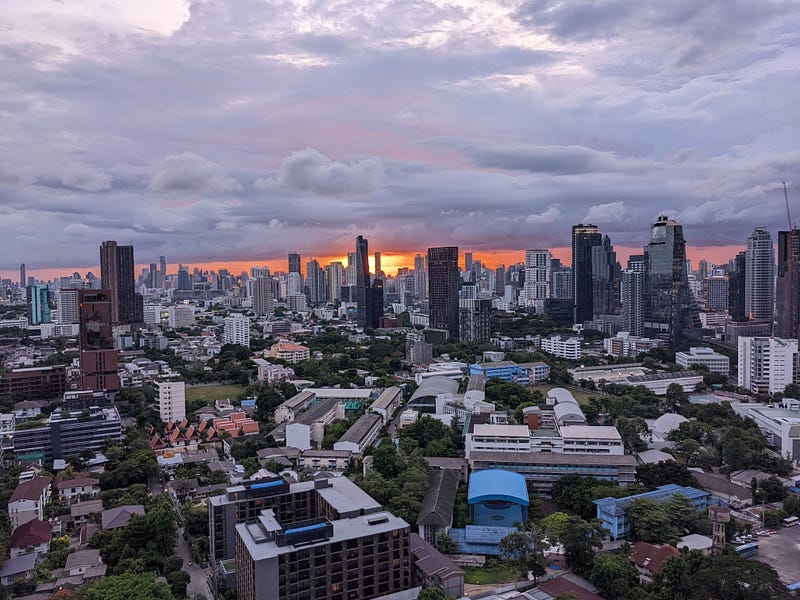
(32, 533)
(651, 557)
(82, 482)
(31, 490)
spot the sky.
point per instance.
(214, 131)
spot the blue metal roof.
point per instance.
(617, 505)
(497, 484)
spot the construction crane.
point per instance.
(788, 214)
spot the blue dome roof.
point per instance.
(496, 484)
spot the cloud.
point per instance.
(311, 171)
(549, 215)
(189, 172)
(611, 212)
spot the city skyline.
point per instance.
(486, 125)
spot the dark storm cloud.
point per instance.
(248, 126)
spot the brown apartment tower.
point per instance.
(117, 268)
(443, 283)
(98, 358)
(787, 292)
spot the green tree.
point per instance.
(581, 539)
(553, 525)
(614, 575)
(631, 431)
(773, 488)
(731, 577)
(653, 475)
(126, 587)
(432, 593)
(525, 550)
(676, 398)
(792, 505)
(445, 544)
(178, 582)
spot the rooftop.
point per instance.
(387, 397)
(665, 375)
(604, 432)
(497, 484)
(617, 505)
(361, 428)
(316, 412)
(552, 458)
(518, 431)
(430, 561)
(440, 498)
(31, 489)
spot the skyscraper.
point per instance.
(117, 276)
(335, 276)
(378, 271)
(420, 277)
(184, 279)
(263, 299)
(759, 291)
(23, 280)
(605, 278)
(443, 282)
(631, 293)
(537, 278)
(163, 268)
(787, 293)
(669, 310)
(737, 279)
(375, 303)
(294, 262)
(584, 237)
(68, 306)
(315, 279)
(154, 276)
(38, 304)
(98, 358)
(362, 280)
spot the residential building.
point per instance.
(434, 569)
(537, 286)
(780, 425)
(474, 320)
(716, 363)
(236, 330)
(669, 310)
(308, 428)
(67, 302)
(117, 275)
(420, 277)
(288, 351)
(75, 490)
(33, 383)
(335, 542)
(715, 292)
(38, 304)
(180, 315)
(98, 358)
(334, 274)
(21, 567)
(649, 558)
(787, 292)
(327, 460)
(766, 364)
(69, 433)
(737, 284)
(562, 347)
(28, 500)
(362, 280)
(32, 537)
(273, 373)
(443, 284)
(361, 434)
(632, 299)
(114, 518)
(605, 278)
(625, 344)
(759, 297)
(612, 514)
(171, 398)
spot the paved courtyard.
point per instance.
(782, 553)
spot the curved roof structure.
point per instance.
(666, 423)
(561, 395)
(435, 385)
(566, 411)
(496, 484)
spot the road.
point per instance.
(198, 586)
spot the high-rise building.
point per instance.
(184, 279)
(362, 280)
(294, 262)
(468, 262)
(766, 364)
(23, 280)
(263, 299)
(715, 292)
(605, 278)
(162, 268)
(584, 238)
(154, 277)
(68, 306)
(787, 292)
(702, 270)
(759, 294)
(632, 296)
(335, 275)
(315, 280)
(475, 319)
(420, 277)
(117, 276)
(378, 271)
(98, 358)
(537, 278)
(236, 330)
(669, 310)
(737, 279)
(38, 304)
(375, 303)
(171, 398)
(294, 284)
(443, 284)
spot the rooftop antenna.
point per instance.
(788, 214)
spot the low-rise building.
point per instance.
(524, 374)
(716, 363)
(113, 518)
(288, 351)
(780, 425)
(324, 460)
(612, 511)
(388, 402)
(18, 567)
(273, 373)
(361, 434)
(649, 558)
(32, 537)
(308, 428)
(658, 383)
(434, 569)
(436, 512)
(625, 344)
(28, 501)
(75, 490)
(562, 347)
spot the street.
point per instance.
(198, 586)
